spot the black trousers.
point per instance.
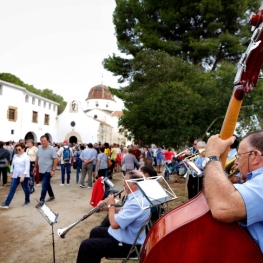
(101, 244)
(3, 171)
(194, 185)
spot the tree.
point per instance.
(168, 100)
(173, 102)
(196, 37)
(203, 32)
(46, 93)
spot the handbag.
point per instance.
(109, 162)
(123, 168)
(75, 165)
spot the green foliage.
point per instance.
(204, 32)
(179, 67)
(46, 93)
(171, 101)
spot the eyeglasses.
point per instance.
(19, 149)
(239, 154)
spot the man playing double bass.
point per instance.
(238, 202)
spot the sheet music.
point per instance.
(48, 213)
(153, 191)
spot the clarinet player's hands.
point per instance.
(105, 207)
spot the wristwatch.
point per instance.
(210, 159)
(53, 170)
(111, 205)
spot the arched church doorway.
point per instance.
(31, 135)
(73, 139)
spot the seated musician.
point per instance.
(125, 223)
(195, 182)
(237, 202)
(148, 171)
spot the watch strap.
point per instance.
(212, 159)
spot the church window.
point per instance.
(39, 102)
(34, 116)
(107, 104)
(72, 124)
(26, 98)
(45, 104)
(74, 105)
(95, 116)
(12, 113)
(97, 104)
(46, 120)
(1, 90)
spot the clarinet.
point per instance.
(63, 231)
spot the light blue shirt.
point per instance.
(94, 156)
(199, 162)
(232, 153)
(252, 194)
(87, 154)
(130, 219)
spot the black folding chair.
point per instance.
(134, 253)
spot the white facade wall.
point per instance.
(86, 129)
(19, 98)
(101, 115)
(103, 104)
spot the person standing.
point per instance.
(65, 165)
(113, 160)
(137, 153)
(20, 174)
(130, 161)
(159, 158)
(4, 162)
(31, 151)
(46, 160)
(86, 157)
(79, 162)
(102, 163)
(94, 162)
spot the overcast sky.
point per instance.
(58, 44)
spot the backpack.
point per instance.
(66, 156)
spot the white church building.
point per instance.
(25, 115)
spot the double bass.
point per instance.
(189, 233)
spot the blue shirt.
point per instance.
(94, 156)
(87, 154)
(130, 219)
(252, 194)
(198, 161)
(159, 155)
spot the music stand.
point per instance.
(51, 218)
(153, 191)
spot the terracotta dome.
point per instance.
(100, 92)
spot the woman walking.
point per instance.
(20, 174)
(31, 151)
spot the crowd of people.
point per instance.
(234, 198)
